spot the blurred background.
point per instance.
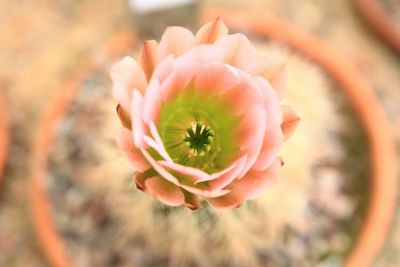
(311, 218)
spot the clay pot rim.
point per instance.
(4, 136)
(358, 90)
(378, 20)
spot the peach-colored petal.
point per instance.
(239, 52)
(271, 101)
(229, 201)
(205, 53)
(275, 73)
(228, 177)
(251, 131)
(159, 142)
(216, 78)
(148, 57)
(175, 41)
(271, 145)
(186, 67)
(252, 156)
(273, 134)
(250, 186)
(159, 149)
(164, 69)
(192, 173)
(211, 32)
(243, 95)
(152, 102)
(172, 86)
(164, 191)
(138, 129)
(290, 121)
(195, 174)
(124, 117)
(192, 202)
(252, 128)
(204, 192)
(254, 183)
(126, 76)
(160, 169)
(126, 146)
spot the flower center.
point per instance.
(198, 139)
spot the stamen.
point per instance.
(198, 139)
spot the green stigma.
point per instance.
(198, 139)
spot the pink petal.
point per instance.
(126, 76)
(244, 94)
(138, 128)
(211, 32)
(253, 184)
(165, 191)
(229, 201)
(185, 68)
(204, 53)
(271, 145)
(251, 129)
(195, 174)
(176, 83)
(275, 73)
(159, 149)
(148, 57)
(127, 148)
(159, 169)
(192, 173)
(156, 143)
(228, 177)
(188, 64)
(252, 156)
(273, 134)
(164, 69)
(175, 41)
(204, 192)
(290, 121)
(216, 78)
(239, 52)
(152, 102)
(271, 101)
(157, 138)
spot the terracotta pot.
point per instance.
(360, 95)
(49, 238)
(4, 136)
(376, 17)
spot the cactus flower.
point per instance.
(201, 117)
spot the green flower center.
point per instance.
(197, 129)
(198, 139)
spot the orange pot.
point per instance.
(4, 136)
(379, 21)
